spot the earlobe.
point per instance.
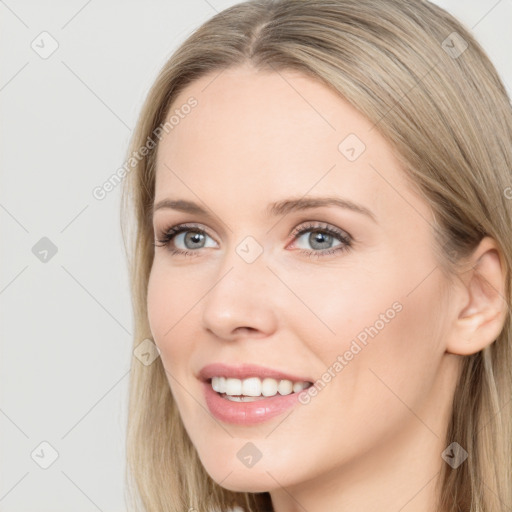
(482, 316)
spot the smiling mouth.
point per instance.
(253, 388)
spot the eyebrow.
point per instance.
(274, 209)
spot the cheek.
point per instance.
(382, 333)
(170, 314)
(169, 299)
(390, 351)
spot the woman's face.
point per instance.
(354, 303)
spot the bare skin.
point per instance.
(372, 438)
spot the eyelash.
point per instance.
(168, 235)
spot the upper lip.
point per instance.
(244, 371)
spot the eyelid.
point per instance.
(179, 228)
(318, 225)
(217, 227)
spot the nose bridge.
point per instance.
(240, 297)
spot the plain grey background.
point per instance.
(65, 316)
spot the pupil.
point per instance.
(319, 238)
(194, 237)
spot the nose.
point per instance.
(240, 301)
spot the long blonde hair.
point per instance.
(431, 91)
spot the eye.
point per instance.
(191, 236)
(321, 238)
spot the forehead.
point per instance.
(255, 135)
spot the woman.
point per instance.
(321, 255)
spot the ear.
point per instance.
(481, 305)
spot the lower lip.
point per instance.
(247, 413)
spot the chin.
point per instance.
(244, 480)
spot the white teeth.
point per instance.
(251, 387)
(269, 387)
(285, 387)
(299, 386)
(219, 384)
(247, 390)
(233, 387)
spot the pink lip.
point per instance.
(244, 371)
(247, 413)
